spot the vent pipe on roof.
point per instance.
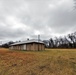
(27, 38)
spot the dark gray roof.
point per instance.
(28, 41)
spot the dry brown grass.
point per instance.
(48, 62)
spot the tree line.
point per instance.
(68, 41)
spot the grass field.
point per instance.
(48, 62)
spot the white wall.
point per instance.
(24, 47)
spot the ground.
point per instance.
(48, 62)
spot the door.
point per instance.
(24, 47)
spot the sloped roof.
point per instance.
(28, 41)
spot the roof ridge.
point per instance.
(28, 41)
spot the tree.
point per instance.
(6, 45)
(51, 43)
(46, 42)
(56, 42)
(74, 4)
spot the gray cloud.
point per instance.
(20, 19)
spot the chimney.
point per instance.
(38, 37)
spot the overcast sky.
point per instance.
(22, 19)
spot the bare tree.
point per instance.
(74, 4)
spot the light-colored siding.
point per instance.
(24, 47)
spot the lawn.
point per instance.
(48, 62)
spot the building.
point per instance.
(28, 45)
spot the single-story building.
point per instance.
(28, 45)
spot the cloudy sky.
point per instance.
(22, 19)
